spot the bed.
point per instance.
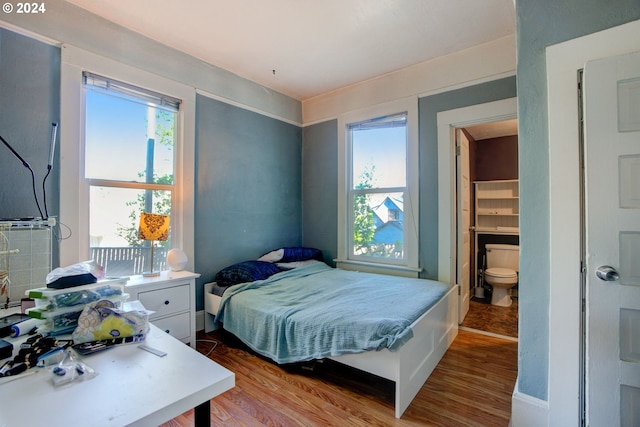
(292, 307)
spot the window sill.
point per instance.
(371, 267)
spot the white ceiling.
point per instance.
(304, 48)
(493, 130)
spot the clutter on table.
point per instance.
(61, 308)
(76, 314)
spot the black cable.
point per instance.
(57, 231)
(44, 192)
(26, 165)
(33, 185)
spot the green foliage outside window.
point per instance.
(363, 225)
(160, 200)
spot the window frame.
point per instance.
(410, 265)
(74, 187)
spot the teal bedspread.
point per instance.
(317, 311)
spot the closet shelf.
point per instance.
(498, 198)
(496, 214)
(497, 206)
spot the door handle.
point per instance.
(607, 273)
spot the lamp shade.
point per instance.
(153, 227)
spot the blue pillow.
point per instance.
(247, 271)
(301, 254)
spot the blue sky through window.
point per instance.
(384, 148)
(116, 139)
(116, 134)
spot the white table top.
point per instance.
(133, 387)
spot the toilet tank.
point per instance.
(504, 256)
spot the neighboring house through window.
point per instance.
(378, 191)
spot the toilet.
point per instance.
(502, 271)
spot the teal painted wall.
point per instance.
(320, 188)
(29, 103)
(428, 108)
(540, 24)
(248, 186)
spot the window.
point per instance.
(378, 218)
(101, 182)
(377, 187)
(130, 140)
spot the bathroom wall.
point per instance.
(493, 159)
(496, 158)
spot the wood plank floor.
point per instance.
(492, 318)
(471, 386)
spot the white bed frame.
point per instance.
(410, 366)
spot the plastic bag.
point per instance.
(70, 369)
(101, 320)
(73, 275)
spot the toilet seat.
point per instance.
(501, 273)
(501, 279)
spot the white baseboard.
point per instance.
(528, 411)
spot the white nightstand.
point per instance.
(172, 295)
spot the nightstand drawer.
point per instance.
(166, 301)
(177, 326)
(171, 296)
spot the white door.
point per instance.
(464, 222)
(612, 139)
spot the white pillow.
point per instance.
(273, 256)
(296, 264)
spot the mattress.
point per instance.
(317, 311)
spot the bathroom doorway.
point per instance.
(450, 123)
(489, 215)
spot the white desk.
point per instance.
(133, 387)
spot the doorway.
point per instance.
(448, 124)
(492, 167)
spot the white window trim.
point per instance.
(74, 190)
(411, 204)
